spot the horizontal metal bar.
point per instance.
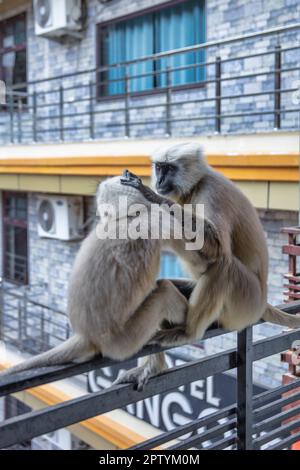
(73, 128)
(264, 397)
(288, 441)
(206, 117)
(67, 115)
(205, 436)
(258, 93)
(273, 406)
(31, 301)
(223, 443)
(279, 432)
(159, 105)
(257, 74)
(202, 82)
(292, 307)
(258, 54)
(34, 377)
(269, 423)
(64, 414)
(275, 344)
(186, 428)
(31, 378)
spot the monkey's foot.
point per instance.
(175, 336)
(139, 376)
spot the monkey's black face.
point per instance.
(165, 175)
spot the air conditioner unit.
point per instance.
(60, 217)
(54, 18)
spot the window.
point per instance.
(169, 28)
(13, 51)
(15, 249)
(170, 267)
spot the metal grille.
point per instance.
(254, 422)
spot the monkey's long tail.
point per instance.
(74, 348)
(277, 316)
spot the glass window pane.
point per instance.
(19, 74)
(166, 29)
(16, 208)
(8, 39)
(15, 253)
(20, 31)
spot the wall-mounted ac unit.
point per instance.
(60, 217)
(54, 18)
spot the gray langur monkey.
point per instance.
(115, 302)
(230, 271)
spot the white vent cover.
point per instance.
(57, 17)
(60, 217)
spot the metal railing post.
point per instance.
(42, 326)
(92, 121)
(19, 119)
(20, 325)
(11, 117)
(218, 95)
(34, 128)
(127, 114)
(277, 88)
(61, 112)
(168, 102)
(244, 389)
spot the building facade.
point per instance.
(84, 106)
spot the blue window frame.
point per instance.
(178, 26)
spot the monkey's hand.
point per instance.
(130, 179)
(175, 336)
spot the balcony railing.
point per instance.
(269, 420)
(242, 84)
(28, 324)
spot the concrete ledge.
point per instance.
(261, 157)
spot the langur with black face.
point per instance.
(115, 303)
(230, 270)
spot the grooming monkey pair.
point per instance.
(115, 303)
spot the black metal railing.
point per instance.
(242, 84)
(28, 324)
(270, 420)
